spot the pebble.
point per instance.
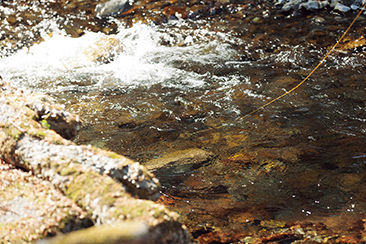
(318, 20)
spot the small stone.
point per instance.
(248, 239)
(311, 5)
(318, 20)
(291, 5)
(342, 8)
(175, 12)
(255, 20)
(273, 224)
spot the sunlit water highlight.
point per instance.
(141, 60)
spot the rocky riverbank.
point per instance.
(65, 187)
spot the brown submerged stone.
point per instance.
(175, 12)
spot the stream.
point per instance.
(146, 86)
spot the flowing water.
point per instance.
(148, 90)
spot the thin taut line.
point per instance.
(307, 77)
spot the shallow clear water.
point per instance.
(189, 84)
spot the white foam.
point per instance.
(143, 61)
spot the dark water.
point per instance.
(190, 84)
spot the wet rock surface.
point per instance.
(104, 50)
(111, 8)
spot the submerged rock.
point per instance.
(104, 50)
(178, 163)
(190, 158)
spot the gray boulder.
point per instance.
(111, 8)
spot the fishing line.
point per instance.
(303, 81)
(307, 77)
